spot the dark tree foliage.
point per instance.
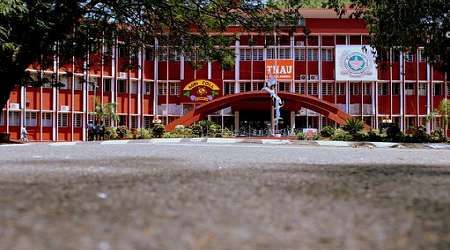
(37, 31)
(405, 25)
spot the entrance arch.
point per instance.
(325, 108)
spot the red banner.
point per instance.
(280, 69)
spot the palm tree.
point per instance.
(105, 111)
(443, 110)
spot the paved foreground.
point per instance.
(222, 196)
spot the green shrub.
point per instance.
(111, 133)
(353, 125)
(197, 130)
(301, 136)
(327, 131)
(121, 131)
(158, 130)
(341, 135)
(142, 133)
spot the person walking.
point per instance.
(24, 134)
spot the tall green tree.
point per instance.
(443, 110)
(36, 31)
(405, 25)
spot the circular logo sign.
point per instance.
(356, 63)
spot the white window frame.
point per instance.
(31, 118)
(63, 120)
(122, 83)
(2, 119)
(367, 88)
(162, 88)
(313, 54)
(245, 54)
(14, 118)
(409, 88)
(437, 85)
(313, 88)
(77, 120)
(327, 88)
(107, 84)
(284, 53)
(134, 87)
(422, 88)
(327, 55)
(355, 88)
(383, 88)
(46, 119)
(340, 88)
(299, 55)
(174, 88)
(258, 54)
(78, 84)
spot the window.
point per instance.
(122, 120)
(327, 88)
(162, 54)
(270, 54)
(2, 120)
(77, 120)
(340, 88)
(66, 81)
(327, 55)
(175, 88)
(121, 86)
(258, 55)
(14, 118)
(63, 120)
(409, 57)
(421, 56)
(31, 119)
(312, 54)
(367, 88)
(134, 87)
(162, 88)
(174, 55)
(422, 88)
(78, 85)
(147, 88)
(123, 51)
(383, 88)
(312, 88)
(107, 85)
(299, 54)
(46, 120)
(409, 88)
(284, 86)
(245, 86)
(437, 88)
(134, 121)
(285, 54)
(395, 88)
(244, 54)
(93, 83)
(147, 122)
(189, 56)
(354, 88)
(149, 53)
(229, 88)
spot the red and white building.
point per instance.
(323, 65)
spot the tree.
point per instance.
(105, 111)
(405, 25)
(37, 31)
(444, 111)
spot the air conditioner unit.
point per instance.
(65, 108)
(122, 75)
(313, 77)
(303, 77)
(300, 43)
(14, 106)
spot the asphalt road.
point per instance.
(222, 196)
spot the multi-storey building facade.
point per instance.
(406, 88)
